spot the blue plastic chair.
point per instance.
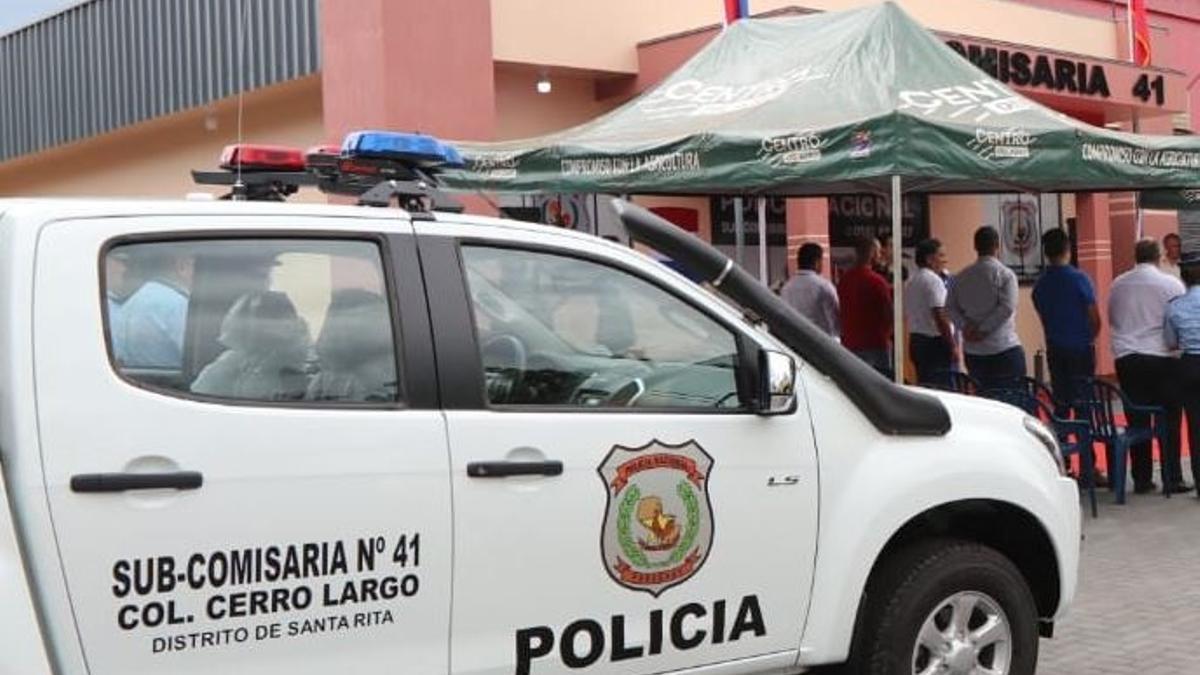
(1099, 399)
(955, 381)
(1015, 397)
(1039, 391)
(1074, 436)
(1031, 386)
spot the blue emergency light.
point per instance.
(417, 149)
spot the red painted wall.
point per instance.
(386, 64)
(1174, 33)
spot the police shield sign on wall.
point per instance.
(658, 526)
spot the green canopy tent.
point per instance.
(1170, 200)
(1186, 204)
(840, 102)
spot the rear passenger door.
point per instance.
(243, 456)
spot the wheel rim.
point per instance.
(968, 633)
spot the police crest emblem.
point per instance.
(658, 526)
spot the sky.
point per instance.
(16, 14)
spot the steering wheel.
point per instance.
(505, 359)
(652, 383)
(627, 395)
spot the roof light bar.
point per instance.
(378, 167)
(261, 158)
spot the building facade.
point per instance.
(115, 97)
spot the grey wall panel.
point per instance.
(107, 64)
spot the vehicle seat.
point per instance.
(267, 346)
(355, 350)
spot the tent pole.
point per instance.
(595, 214)
(739, 234)
(897, 282)
(762, 242)
(1139, 216)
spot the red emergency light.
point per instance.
(362, 167)
(253, 157)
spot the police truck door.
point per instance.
(615, 510)
(242, 456)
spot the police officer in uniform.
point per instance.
(1182, 331)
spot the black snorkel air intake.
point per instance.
(892, 409)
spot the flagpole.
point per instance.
(1138, 216)
(1129, 31)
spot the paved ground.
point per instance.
(1137, 611)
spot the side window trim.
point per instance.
(411, 323)
(387, 257)
(747, 347)
(455, 347)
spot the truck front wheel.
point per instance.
(947, 607)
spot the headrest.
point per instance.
(357, 329)
(264, 323)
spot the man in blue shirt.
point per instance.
(116, 267)
(1182, 331)
(155, 316)
(1066, 302)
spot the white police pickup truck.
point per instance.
(281, 438)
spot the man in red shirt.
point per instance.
(866, 303)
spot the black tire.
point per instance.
(910, 584)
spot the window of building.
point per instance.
(253, 319)
(561, 331)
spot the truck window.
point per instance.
(253, 319)
(561, 331)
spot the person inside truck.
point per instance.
(154, 317)
(267, 347)
(116, 271)
(223, 275)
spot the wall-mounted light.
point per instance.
(543, 84)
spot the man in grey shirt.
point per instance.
(983, 303)
(812, 294)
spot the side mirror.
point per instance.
(776, 383)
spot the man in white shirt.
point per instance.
(1146, 368)
(811, 294)
(932, 345)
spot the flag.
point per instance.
(736, 9)
(1139, 33)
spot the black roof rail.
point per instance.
(258, 186)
